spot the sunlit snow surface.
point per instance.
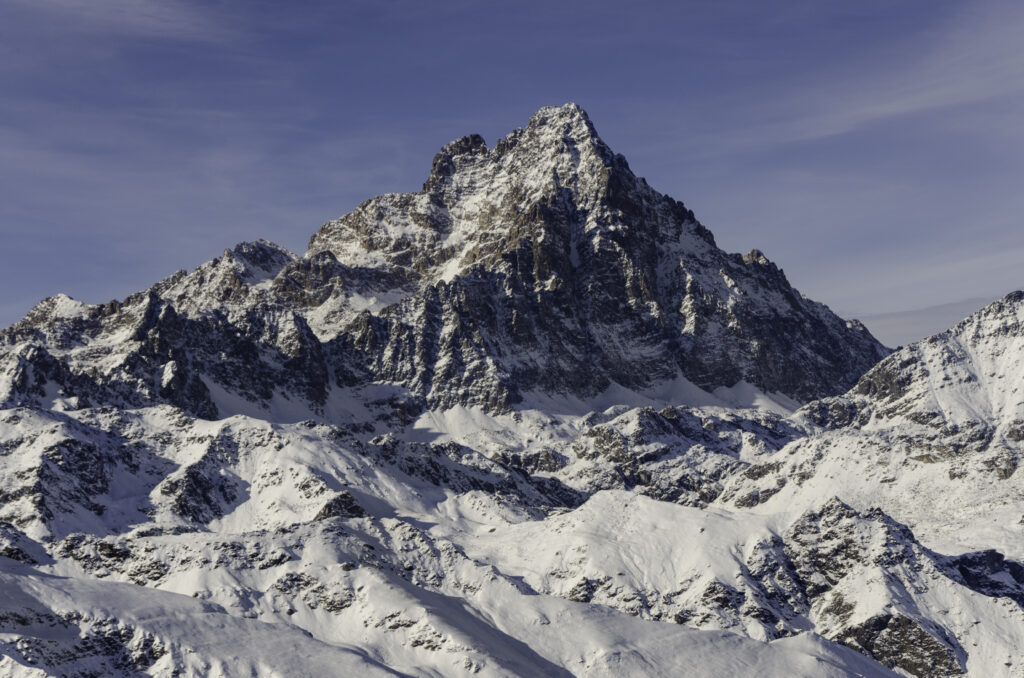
(446, 578)
(431, 582)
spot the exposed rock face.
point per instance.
(546, 264)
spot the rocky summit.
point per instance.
(528, 421)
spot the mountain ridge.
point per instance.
(527, 421)
(518, 268)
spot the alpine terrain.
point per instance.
(529, 421)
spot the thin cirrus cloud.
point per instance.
(972, 57)
(139, 18)
(956, 55)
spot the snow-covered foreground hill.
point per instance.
(297, 549)
(528, 422)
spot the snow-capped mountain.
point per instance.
(934, 434)
(530, 421)
(543, 266)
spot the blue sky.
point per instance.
(872, 149)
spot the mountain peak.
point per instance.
(552, 231)
(557, 130)
(566, 117)
(259, 257)
(446, 162)
(553, 133)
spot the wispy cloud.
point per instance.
(904, 327)
(975, 56)
(143, 18)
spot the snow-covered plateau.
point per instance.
(529, 421)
